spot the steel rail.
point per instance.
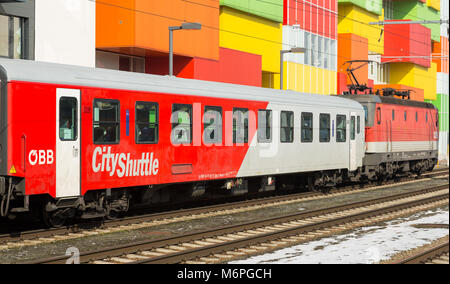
(149, 245)
(426, 255)
(45, 233)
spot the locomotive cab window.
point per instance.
(341, 128)
(106, 121)
(324, 127)
(287, 127)
(146, 123)
(240, 125)
(68, 122)
(264, 126)
(212, 125)
(181, 124)
(307, 127)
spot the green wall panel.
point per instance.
(418, 11)
(442, 104)
(268, 9)
(374, 6)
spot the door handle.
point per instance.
(75, 151)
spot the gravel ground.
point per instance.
(29, 253)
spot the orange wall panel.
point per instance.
(115, 24)
(143, 24)
(440, 50)
(353, 47)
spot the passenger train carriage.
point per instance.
(83, 142)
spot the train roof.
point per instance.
(388, 100)
(42, 72)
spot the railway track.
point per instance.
(435, 255)
(226, 243)
(42, 236)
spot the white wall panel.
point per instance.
(65, 32)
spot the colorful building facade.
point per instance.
(241, 42)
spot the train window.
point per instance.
(307, 127)
(240, 125)
(358, 124)
(437, 120)
(426, 117)
(366, 113)
(417, 116)
(68, 122)
(181, 120)
(264, 126)
(146, 123)
(287, 127)
(341, 128)
(324, 128)
(393, 115)
(212, 125)
(106, 121)
(352, 128)
(379, 115)
(406, 115)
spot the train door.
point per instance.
(67, 143)
(353, 151)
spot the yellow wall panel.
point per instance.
(307, 79)
(356, 20)
(415, 76)
(435, 4)
(252, 34)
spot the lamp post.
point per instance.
(282, 52)
(184, 26)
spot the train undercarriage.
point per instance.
(113, 203)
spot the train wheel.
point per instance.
(53, 219)
(57, 218)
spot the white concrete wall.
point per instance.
(65, 32)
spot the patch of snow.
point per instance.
(364, 245)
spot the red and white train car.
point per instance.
(87, 140)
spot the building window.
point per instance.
(146, 123)
(287, 127)
(307, 127)
(240, 125)
(212, 125)
(324, 127)
(264, 126)
(106, 121)
(11, 37)
(115, 61)
(181, 120)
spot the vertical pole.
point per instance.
(170, 52)
(281, 69)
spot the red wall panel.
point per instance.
(404, 43)
(233, 67)
(312, 16)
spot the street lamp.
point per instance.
(282, 52)
(184, 26)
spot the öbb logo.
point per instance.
(41, 157)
